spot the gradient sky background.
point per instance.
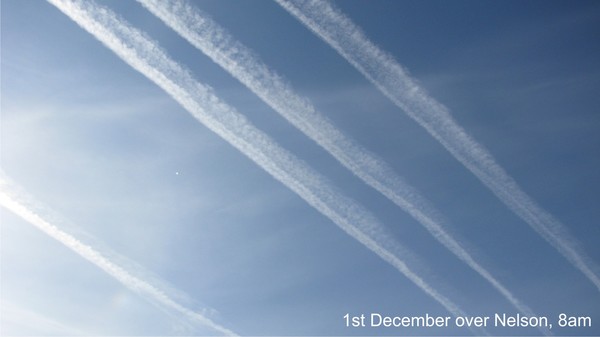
(107, 149)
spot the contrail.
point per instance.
(337, 30)
(214, 41)
(18, 202)
(144, 55)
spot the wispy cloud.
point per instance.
(337, 30)
(147, 57)
(14, 199)
(15, 319)
(214, 41)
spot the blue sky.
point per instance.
(119, 159)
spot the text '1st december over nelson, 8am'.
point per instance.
(376, 320)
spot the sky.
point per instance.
(103, 153)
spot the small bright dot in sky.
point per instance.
(177, 173)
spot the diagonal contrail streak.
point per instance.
(144, 55)
(15, 200)
(337, 30)
(214, 41)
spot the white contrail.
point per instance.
(18, 202)
(144, 55)
(214, 41)
(337, 30)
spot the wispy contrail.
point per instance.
(14, 199)
(144, 55)
(214, 41)
(337, 30)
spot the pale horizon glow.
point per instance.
(13, 199)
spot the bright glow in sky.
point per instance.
(189, 235)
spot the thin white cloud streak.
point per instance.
(14, 199)
(207, 36)
(147, 57)
(337, 30)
